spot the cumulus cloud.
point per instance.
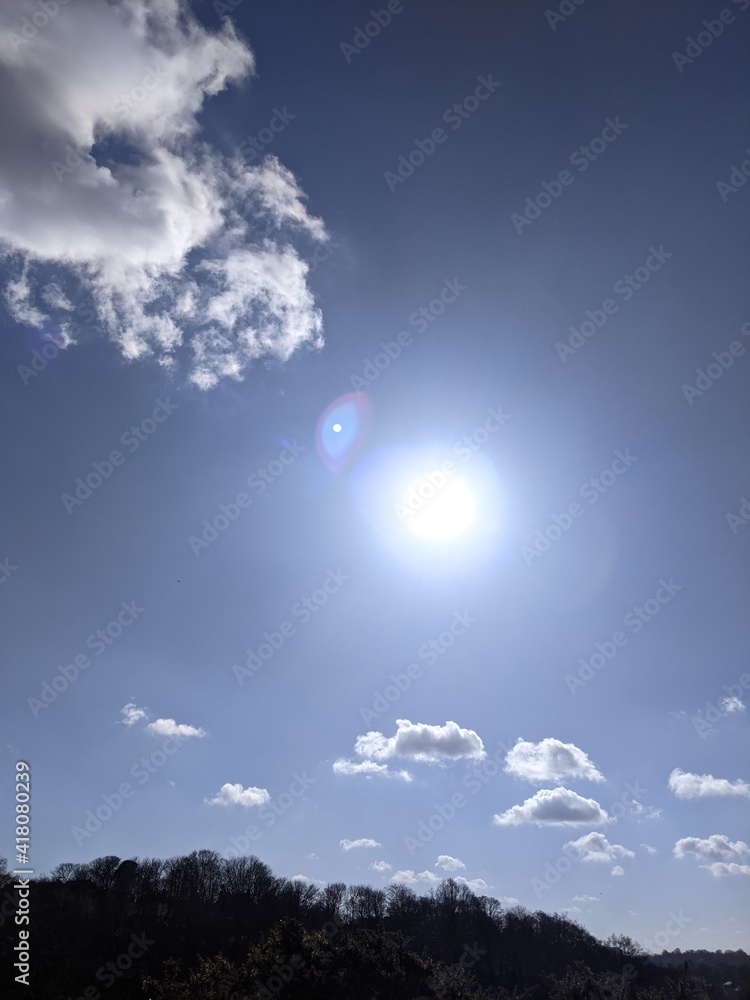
(732, 705)
(449, 864)
(304, 879)
(168, 727)
(380, 866)
(236, 795)
(596, 847)
(724, 856)
(409, 877)
(549, 760)
(184, 252)
(132, 714)
(554, 807)
(691, 786)
(361, 842)
(617, 870)
(368, 768)
(475, 884)
(422, 742)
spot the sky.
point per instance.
(374, 494)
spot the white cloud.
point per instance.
(617, 870)
(691, 786)
(585, 899)
(368, 768)
(719, 868)
(422, 742)
(106, 177)
(732, 705)
(724, 856)
(449, 864)
(508, 901)
(168, 727)
(651, 850)
(596, 847)
(236, 795)
(549, 760)
(409, 877)
(554, 807)
(300, 878)
(475, 884)
(362, 842)
(570, 909)
(132, 714)
(380, 866)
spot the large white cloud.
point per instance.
(104, 175)
(691, 786)
(596, 847)
(549, 760)
(236, 795)
(554, 807)
(724, 856)
(422, 742)
(449, 864)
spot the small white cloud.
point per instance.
(549, 760)
(475, 884)
(692, 786)
(132, 714)
(596, 847)
(585, 899)
(651, 850)
(508, 901)
(617, 870)
(380, 866)
(554, 807)
(300, 878)
(570, 909)
(409, 877)
(368, 768)
(312, 856)
(168, 727)
(449, 864)
(732, 705)
(422, 742)
(362, 842)
(236, 795)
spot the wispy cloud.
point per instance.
(132, 714)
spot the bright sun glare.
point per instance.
(437, 506)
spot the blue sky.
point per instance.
(375, 499)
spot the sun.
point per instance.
(437, 506)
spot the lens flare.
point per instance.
(341, 429)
